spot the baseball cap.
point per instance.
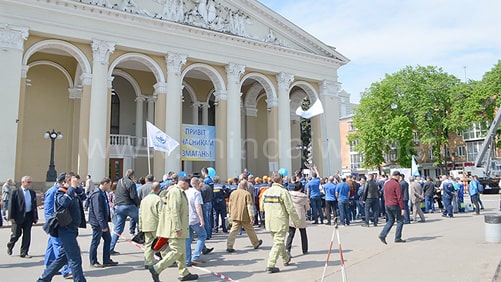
(395, 173)
(61, 177)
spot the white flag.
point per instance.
(159, 140)
(314, 110)
(414, 167)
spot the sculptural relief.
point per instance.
(208, 14)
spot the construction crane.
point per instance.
(485, 168)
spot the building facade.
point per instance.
(97, 70)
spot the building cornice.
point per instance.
(102, 16)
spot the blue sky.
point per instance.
(383, 36)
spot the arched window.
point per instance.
(115, 113)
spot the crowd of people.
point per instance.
(173, 212)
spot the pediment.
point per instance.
(245, 18)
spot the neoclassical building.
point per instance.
(97, 70)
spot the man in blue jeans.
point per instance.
(54, 243)
(342, 195)
(207, 196)
(429, 191)
(394, 204)
(99, 213)
(313, 192)
(126, 205)
(68, 198)
(196, 222)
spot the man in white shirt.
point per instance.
(196, 222)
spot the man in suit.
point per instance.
(22, 214)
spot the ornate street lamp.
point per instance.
(53, 135)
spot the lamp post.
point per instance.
(53, 135)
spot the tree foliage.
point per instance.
(417, 99)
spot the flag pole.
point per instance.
(149, 160)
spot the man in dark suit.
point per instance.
(22, 214)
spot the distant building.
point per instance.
(460, 153)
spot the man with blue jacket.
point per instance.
(54, 243)
(473, 191)
(99, 213)
(69, 197)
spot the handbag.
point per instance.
(138, 238)
(51, 226)
(159, 244)
(63, 217)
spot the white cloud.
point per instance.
(383, 36)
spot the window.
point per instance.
(352, 145)
(415, 137)
(476, 131)
(351, 128)
(356, 161)
(430, 153)
(461, 151)
(115, 113)
(472, 149)
(393, 155)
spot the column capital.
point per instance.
(329, 88)
(24, 71)
(75, 92)
(140, 98)
(284, 80)
(110, 81)
(175, 62)
(272, 102)
(151, 98)
(196, 105)
(160, 87)
(234, 71)
(101, 51)
(86, 79)
(12, 37)
(205, 105)
(221, 95)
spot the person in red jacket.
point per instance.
(394, 205)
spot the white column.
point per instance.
(221, 114)
(11, 57)
(99, 108)
(331, 155)
(151, 107)
(139, 119)
(284, 128)
(75, 94)
(205, 114)
(173, 104)
(160, 113)
(195, 107)
(234, 140)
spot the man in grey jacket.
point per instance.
(126, 205)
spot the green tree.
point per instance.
(412, 99)
(483, 97)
